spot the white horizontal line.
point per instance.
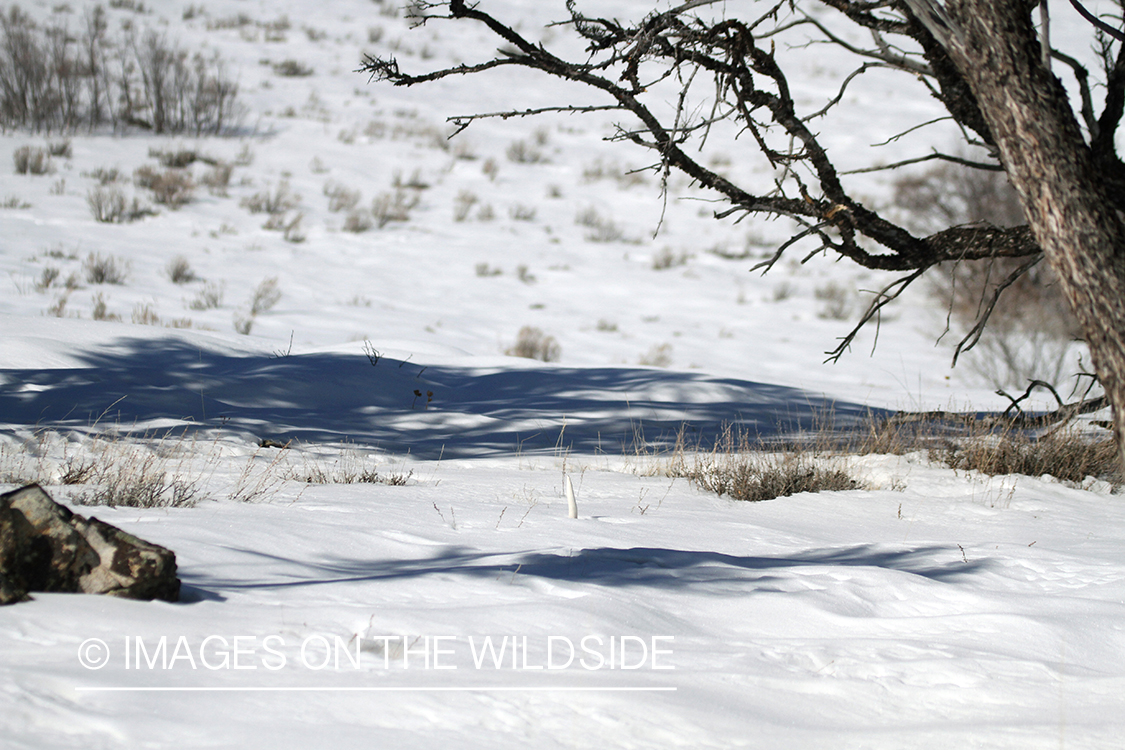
(380, 689)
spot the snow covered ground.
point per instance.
(455, 602)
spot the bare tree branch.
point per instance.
(973, 336)
(1098, 23)
(929, 157)
(882, 298)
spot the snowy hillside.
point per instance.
(338, 276)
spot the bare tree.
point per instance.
(985, 61)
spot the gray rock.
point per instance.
(46, 547)
(21, 552)
(69, 554)
(129, 566)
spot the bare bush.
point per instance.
(46, 278)
(340, 198)
(177, 158)
(292, 231)
(660, 355)
(100, 309)
(29, 160)
(393, 207)
(108, 205)
(217, 178)
(180, 271)
(744, 469)
(277, 202)
(601, 228)
(265, 296)
(357, 222)
(140, 478)
(524, 274)
(463, 204)
(104, 176)
(207, 298)
(58, 78)
(1063, 455)
(172, 187)
(243, 323)
(105, 269)
(520, 212)
(836, 301)
(292, 69)
(62, 149)
(521, 152)
(532, 343)
(144, 314)
(666, 259)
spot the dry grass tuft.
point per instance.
(744, 468)
(1066, 456)
(532, 343)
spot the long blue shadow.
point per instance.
(607, 566)
(404, 406)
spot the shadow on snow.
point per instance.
(403, 406)
(608, 566)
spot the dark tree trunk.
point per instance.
(1069, 208)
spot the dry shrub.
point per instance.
(47, 277)
(357, 222)
(108, 205)
(836, 301)
(464, 203)
(207, 298)
(666, 259)
(180, 271)
(659, 355)
(988, 443)
(396, 206)
(746, 469)
(277, 202)
(138, 474)
(521, 153)
(532, 343)
(172, 187)
(144, 314)
(56, 78)
(340, 198)
(217, 178)
(349, 468)
(100, 310)
(104, 176)
(292, 69)
(30, 160)
(105, 269)
(602, 228)
(178, 158)
(61, 149)
(1063, 455)
(265, 296)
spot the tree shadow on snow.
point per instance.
(609, 566)
(404, 406)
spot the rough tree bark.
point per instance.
(1066, 196)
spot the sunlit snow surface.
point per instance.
(933, 610)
